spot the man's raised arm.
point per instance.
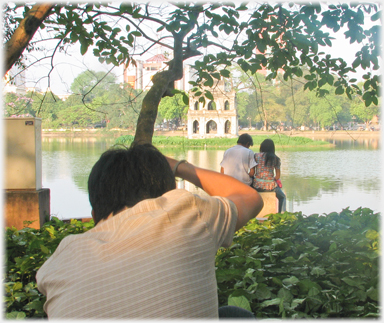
(247, 200)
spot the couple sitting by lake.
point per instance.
(259, 170)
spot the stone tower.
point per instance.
(216, 118)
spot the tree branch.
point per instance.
(25, 31)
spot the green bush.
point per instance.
(289, 266)
(26, 251)
(304, 267)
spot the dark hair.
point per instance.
(123, 176)
(245, 139)
(268, 147)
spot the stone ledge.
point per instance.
(271, 205)
(26, 205)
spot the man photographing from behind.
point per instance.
(152, 251)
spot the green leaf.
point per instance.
(372, 234)
(263, 292)
(275, 301)
(209, 82)
(35, 305)
(376, 16)
(83, 48)
(288, 259)
(44, 249)
(136, 33)
(225, 73)
(277, 241)
(313, 291)
(333, 246)
(339, 90)
(16, 316)
(240, 301)
(185, 99)
(285, 294)
(372, 293)
(350, 281)
(209, 95)
(17, 286)
(291, 281)
(297, 301)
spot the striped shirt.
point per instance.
(154, 260)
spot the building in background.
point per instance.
(216, 118)
(139, 77)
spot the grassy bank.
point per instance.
(281, 141)
(338, 134)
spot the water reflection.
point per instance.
(314, 181)
(354, 142)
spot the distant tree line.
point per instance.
(99, 101)
(272, 103)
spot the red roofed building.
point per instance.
(140, 76)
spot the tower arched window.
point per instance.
(195, 126)
(227, 126)
(211, 105)
(211, 127)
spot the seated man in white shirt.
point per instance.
(239, 161)
(152, 251)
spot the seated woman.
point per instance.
(265, 179)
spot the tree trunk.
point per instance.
(265, 125)
(163, 83)
(24, 33)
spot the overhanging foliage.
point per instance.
(282, 36)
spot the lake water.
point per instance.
(316, 181)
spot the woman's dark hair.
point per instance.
(268, 147)
(123, 176)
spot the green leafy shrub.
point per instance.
(26, 251)
(304, 267)
(289, 266)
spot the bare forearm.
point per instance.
(246, 199)
(208, 180)
(277, 173)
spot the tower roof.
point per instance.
(157, 59)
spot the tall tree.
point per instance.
(46, 107)
(173, 108)
(121, 106)
(90, 84)
(260, 35)
(18, 104)
(363, 113)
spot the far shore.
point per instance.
(314, 135)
